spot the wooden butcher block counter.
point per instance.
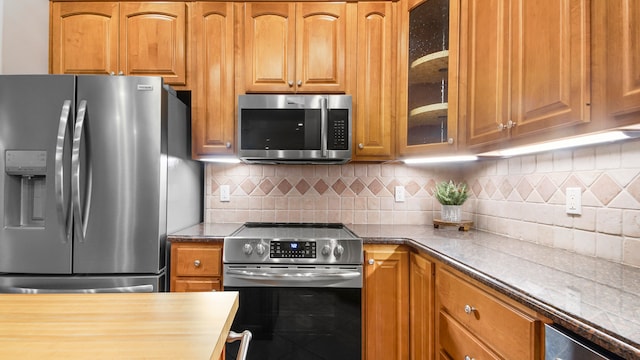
(116, 326)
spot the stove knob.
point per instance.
(247, 249)
(260, 248)
(338, 251)
(326, 250)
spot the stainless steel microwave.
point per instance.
(302, 129)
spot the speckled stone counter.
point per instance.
(594, 298)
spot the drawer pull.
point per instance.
(467, 357)
(469, 310)
(196, 263)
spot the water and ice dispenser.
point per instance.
(25, 188)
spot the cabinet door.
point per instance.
(84, 38)
(421, 308)
(269, 47)
(428, 71)
(213, 103)
(550, 68)
(484, 66)
(321, 52)
(623, 62)
(153, 40)
(374, 115)
(386, 302)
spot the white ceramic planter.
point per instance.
(451, 213)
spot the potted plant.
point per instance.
(451, 196)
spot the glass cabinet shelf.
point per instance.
(429, 114)
(427, 69)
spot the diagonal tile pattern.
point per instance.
(523, 204)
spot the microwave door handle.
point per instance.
(324, 119)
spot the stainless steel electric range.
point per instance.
(300, 289)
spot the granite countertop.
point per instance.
(595, 298)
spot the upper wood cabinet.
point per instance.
(525, 65)
(213, 101)
(428, 77)
(295, 47)
(386, 302)
(127, 38)
(623, 61)
(376, 83)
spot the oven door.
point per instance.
(312, 319)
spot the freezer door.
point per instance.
(36, 118)
(119, 175)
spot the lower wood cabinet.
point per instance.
(421, 308)
(480, 323)
(196, 266)
(385, 317)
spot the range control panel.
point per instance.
(293, 249)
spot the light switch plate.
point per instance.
(225, 193)
(399, 194)
(574, 201)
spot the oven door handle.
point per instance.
(293, 275)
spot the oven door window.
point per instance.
(280, 129)
(299, 323)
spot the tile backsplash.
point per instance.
(521, 197)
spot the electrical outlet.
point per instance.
(225, 193)
(399, 193)
(574, 201)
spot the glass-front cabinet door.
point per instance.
(428, 117)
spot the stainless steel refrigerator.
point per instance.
(96, 170)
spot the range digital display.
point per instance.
(293, 249)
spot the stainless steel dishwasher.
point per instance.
(563, 345)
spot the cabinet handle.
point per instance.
(361, 146)
(290, 83)
(228, 145)
(469, 309)
(371, 261)
(196, 263)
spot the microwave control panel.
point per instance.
(338, 133)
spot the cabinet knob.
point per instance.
(450, 141)
(196, 263)
(120, 73)
(361, 146)
(299, 82)
(112, 73)
(511, 124)
(290, 83)
(501, 127)
(467, 357)
(228, 145)
(469, 309)
(371, 261)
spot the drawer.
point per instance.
(184, 285)
(458, 343)
(196, 260)
(511, 333)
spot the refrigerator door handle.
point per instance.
(63, 209)
(80, 221)
(121, 289)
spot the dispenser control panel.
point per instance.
(25, 162)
